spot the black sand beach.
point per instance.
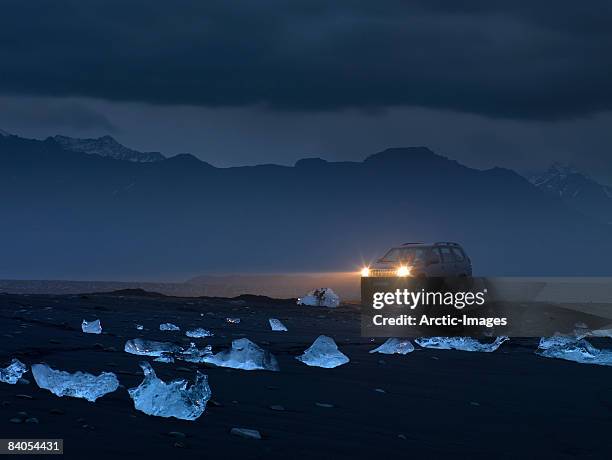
(427, 404)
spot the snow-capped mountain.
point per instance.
(106, 146)
(577, 190)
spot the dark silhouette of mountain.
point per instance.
(577, 190)
(71, 215)
(106, 146)
(134, 292)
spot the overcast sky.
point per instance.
(240, 82)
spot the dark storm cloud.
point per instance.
(56, 113)
(501, 59)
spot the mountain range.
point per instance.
(71, 214)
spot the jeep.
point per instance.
(443, 259)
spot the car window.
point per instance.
(405, 255)
(413, 254)
(392, 255)
(447, 255)
(458, 253)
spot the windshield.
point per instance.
(405, 255)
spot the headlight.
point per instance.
(365, 272)
(403, 271)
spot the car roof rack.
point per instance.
(408, 244)
(446, 243)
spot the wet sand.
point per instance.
(433, 404)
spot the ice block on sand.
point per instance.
(573, 349)
(460, 343)
(174, 399)
(323, 297)
(323, 353)
(276, 325)
(150, 347)
(245, 355)
(394, 346)
(13, 372)
(77, 385)
(91, 327)
(198, 333)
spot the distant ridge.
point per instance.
(130, 292)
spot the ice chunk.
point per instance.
(150, 347)
(13, 372)
(77, 385)
(91, 327)
(245, 355)
(581, 331)
(174, 399)
(323, 353)
(169, 327)
(460, 343)
(556, 342)
(573, 349)
(276, 325)
(167, 352)
(198, 333)
(324, 297)
(394, 346)
(232, 320)
(194, 354)
(140, 327)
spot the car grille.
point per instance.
(382, 272)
